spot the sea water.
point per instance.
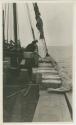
(63, 56)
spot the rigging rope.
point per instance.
(18, 31)
(5, 16)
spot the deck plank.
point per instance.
(51, 108)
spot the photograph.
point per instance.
(37, 49)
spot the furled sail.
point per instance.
(43, 52)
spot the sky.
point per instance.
(57, 21)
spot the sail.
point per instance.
(8, 14)
(25, 33)
(39, 24)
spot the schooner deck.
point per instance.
(50, 107)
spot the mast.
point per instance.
(7, 21)
(15, 23)
(13, 52)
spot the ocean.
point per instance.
(63, 56)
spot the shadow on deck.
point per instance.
(20, 107)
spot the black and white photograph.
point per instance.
(37, 61)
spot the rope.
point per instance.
(18, 31)
(5, 16)
(45, 46)
(22, 90)
(15, 93)
(29, 87)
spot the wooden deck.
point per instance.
(51, 107)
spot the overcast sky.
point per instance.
(57, 20)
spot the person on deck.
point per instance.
(32, 62)
(13, 54)
(32, 47)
